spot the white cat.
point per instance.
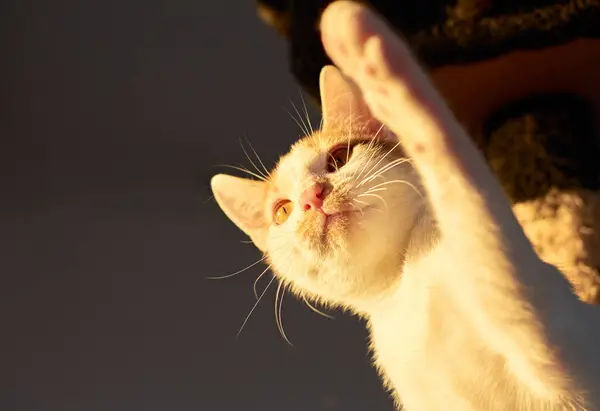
(344, 220)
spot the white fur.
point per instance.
(442, 338)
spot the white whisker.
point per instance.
(370, 172)
(383, 169)
(359, 209)
(304, 131)
(373, 152)
(378, 131)
(334, 162)
(305, 127)
(376, 187)
(278, 307)
(306, 113)
(264, 176)
(312, 307)
(376, 196)
(238, 272)
(375, 190)
(361, 202)
(267, 173)
(254, 306)
(258, 278)
(245, 170)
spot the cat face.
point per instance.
(334, 217)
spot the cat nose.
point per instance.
(312, 197)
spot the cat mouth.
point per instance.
(329, 219)
(324, 225)
(339, 218)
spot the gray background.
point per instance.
(113, 115)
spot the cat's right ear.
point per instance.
(342, 101)
(243, 201)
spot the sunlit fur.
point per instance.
(388, 265)
(358, 257)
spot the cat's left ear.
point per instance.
(342, 102)
(243, 201)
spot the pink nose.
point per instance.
(312, 197)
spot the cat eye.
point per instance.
(338, 157)
(282, 211)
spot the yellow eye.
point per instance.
(282, 211)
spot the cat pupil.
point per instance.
(282, 212)
(337, 159)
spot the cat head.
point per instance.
(334, 216)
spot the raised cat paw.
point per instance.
(379, 62)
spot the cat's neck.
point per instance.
(423, 237)
(421, 243)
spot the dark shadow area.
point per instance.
(113, 117)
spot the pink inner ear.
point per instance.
(342, 102)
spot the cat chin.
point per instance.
(328, 235)
(342, 276)
(350, 264)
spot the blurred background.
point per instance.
(114, 115)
